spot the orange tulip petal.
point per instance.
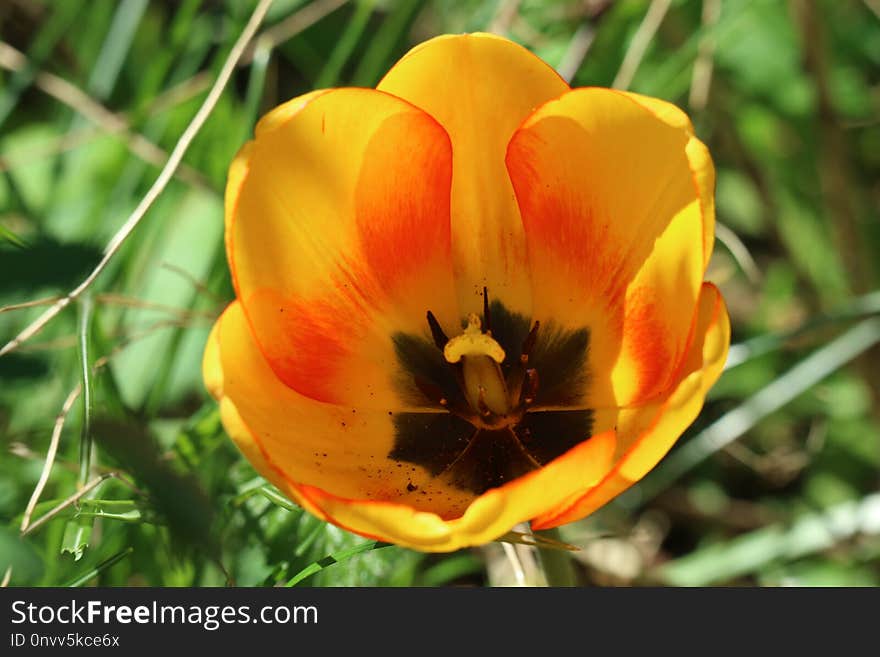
(699, 158)
(607, 187)
(339, 239)
(490, 516)
(480, 88)
(294, 440)
(646, 434)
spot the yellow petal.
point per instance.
(606, 188)
(339, 238)
(646, 434)
(293, 440)
(700, 161)
(490, 516)
(212, 368)
(480, 88)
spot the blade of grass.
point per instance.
(450, 569)
(278, 500)
(672, 78)
(115, 47)
(85, 304)
(11, 237)
(100, 568)
(255, 90)
(337, 557)
(50, 457)
(701, 75)
(381, 47)
(557, 563)
(332, 71)
(42, 46)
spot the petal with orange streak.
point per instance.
(646, 434)
(608, 188)
(480, 88)
(338, 234)
(293, 440)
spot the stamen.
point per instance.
(530, 387)
(480, 356)
(529, 343)
(437, 333)
(487, 319)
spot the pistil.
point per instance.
(481, 357)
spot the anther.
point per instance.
(473, 342)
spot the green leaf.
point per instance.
(19, 554)
(331, 559)
(77, 533)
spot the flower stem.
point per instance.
(557, 563)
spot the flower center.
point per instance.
(494, 399)
(481, 358)
(483, 419)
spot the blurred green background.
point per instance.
(775, 484)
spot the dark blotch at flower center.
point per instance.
(499, 399)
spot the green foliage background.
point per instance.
(776, 483)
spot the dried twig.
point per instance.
(504, 17)
(28, 304)
(701, 78)
(73, 499)
(577, 50)
(639, 44)
(50, 456)
(582, 40)
(195, 282)
(132, 302)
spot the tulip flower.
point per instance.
(468, 298)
